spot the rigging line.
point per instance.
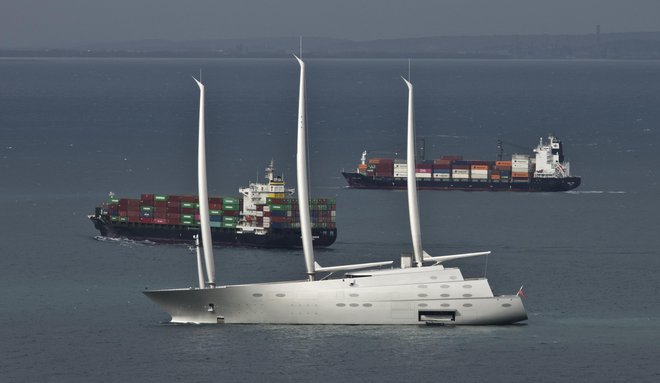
(486, 265)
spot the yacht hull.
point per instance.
(396, 297)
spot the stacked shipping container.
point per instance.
(224, 212)
(454, 168)
(283, 213)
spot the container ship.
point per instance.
(545, 171)
(265, 216)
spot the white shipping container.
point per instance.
(423, 175)
(460, 176)
(479, 176)
(460, 171)
(479, 171)
(398, 166)
(440, 175)
(400, 175)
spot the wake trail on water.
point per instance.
(124, 241)
(596, 192)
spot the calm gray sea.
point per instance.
(72, 130)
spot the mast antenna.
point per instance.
(409, 76)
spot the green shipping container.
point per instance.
(230, 207)
(230, 201)
(188, 204)
(229, 219)
(147, 208)
(215, 212)
(216, 224)
(160, 198)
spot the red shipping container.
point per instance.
(160, 220)
(160, 203)
(146, 220)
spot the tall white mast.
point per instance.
(207, 243)
(413, 206)
(301, 172)
(200, 269)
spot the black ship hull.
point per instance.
(360, 181)
(275, 238)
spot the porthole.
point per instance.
(444, 286)
(467, 305)
(445, 305)
(444, 295)
(367, 305)
(422, 305)
(434, 277)
(467, 286)
(257, 295)
(422, 286)
(506, 304)
(353, 295)
(422, 295)
(354, 305)
(280, 295)
(467, 295)
(341, 304)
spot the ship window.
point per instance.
(341, 304)
(506, 304)
(367, 304)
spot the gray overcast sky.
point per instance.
(53, 23)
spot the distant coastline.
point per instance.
(624, 45)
